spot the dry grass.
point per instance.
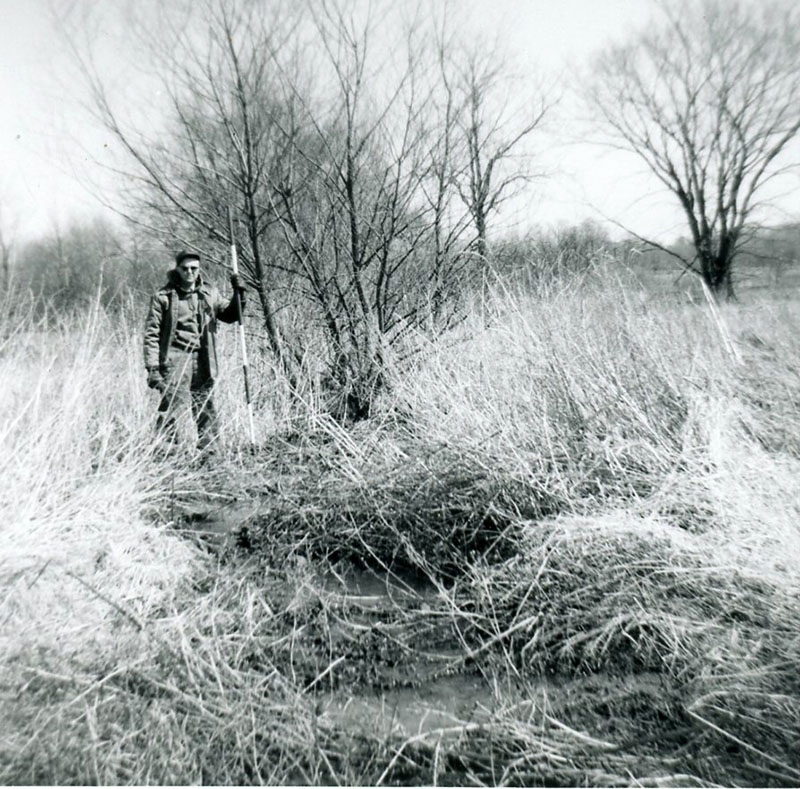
(601, 499)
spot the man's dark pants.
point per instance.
(187, 384)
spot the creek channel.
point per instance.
(431, 693)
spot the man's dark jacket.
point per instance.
(162, 320)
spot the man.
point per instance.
(180, 349)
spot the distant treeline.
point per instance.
(95, 261)
(84, 263)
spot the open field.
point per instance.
(563, 551)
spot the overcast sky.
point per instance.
(47, 142)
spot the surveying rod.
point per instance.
(238, 300)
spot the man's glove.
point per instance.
(236, 284)
(155, 380)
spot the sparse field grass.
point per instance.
(570, 530)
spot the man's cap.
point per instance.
(185, 254)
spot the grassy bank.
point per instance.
(581, 500)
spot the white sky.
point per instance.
(44, 134)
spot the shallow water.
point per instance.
(439, 707)
(206, 517)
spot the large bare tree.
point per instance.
(710, 101)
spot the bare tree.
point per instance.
(349, 198)
(443, 165)
(710, 101)
(216, 64)
(493, 129)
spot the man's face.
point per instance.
(188, 270)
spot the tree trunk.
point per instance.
(481, 245)
(716, 271)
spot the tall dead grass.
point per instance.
(591, 483)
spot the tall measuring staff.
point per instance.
(238, 298)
